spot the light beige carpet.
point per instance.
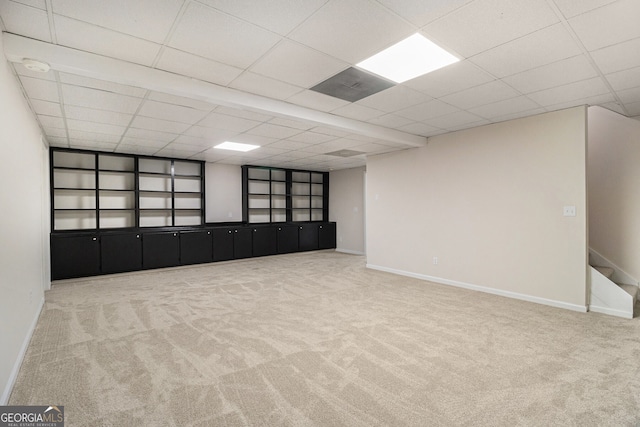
(317, 339)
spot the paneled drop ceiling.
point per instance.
(251, 65)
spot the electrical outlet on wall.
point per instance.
(435, 260)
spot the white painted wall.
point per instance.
(346, 208)
(488, 202)
(613, 172)
(24, 271)
(223, 192)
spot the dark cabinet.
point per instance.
(121, 252)
(265, 241)
(222, 244)
(242, 243)
(74, 256)
(160, 250)
(287, 237)
(308, 237)
(196, 247)
(327, 235)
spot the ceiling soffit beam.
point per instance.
(73, 61)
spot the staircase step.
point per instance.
(630, 289)
(605, 271)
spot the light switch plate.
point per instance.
(569, 211)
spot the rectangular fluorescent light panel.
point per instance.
(236, 146)
(408, 59)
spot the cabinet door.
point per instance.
(196, 247)
(265, 241)
(222, 244)
(308, 237)
(242, 242)
(327, 235)
(160, 250)
(287, 239)
(121, 252)
(74, 256)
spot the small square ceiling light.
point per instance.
(408, 59)
(236, 146)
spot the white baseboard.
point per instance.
(500, 292)
(610, 311)
(619, 275)
(4, 399)
(349, 251)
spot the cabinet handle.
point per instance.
(320, 226)
(300, 228)
(208, 232)
(279, 229)
(229, 231)
(94, 239)
(254, 230)
(236, 231)
(137, 236)
(175, 234)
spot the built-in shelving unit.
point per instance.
(92, 190)
(272, 195)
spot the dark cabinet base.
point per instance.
(90, 254)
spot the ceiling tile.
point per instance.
(99, 99)
(373, 148)
(58, 132)
(350, 30)
(143, 142)
(590, 100)
(570, 8)
(533, 50)
(193, 141)
(614, 23)
(557, 74)
(421, 12)
(136, 149)
(101, 116)
(39, 4)
(512, 116)
(274, 131)
(91, 38)
(450, 79)
(180, 100)
(427, 110)
(21, 71)
(503, 108)
(55, 141)
(40, 89)
(633, 109)
(395, 98)
(457, 120)
(92, 136)
(243, 113)
(51, 121)
(92, 145)
(47, 108)
(265, 86)
(421, 129)
(288, 145)
(187, 64)
(145, 19)
(180, 153)
(149, 123)
(570, 92)
(150, 134)
(317, 101)
(215, 35)
(95, 127)
(614, 106)
(357, 112)
(176, 113)
(626, 79)
(279, 16)
(291, 123)
(391, 121)
(330, 131)
(630, 96)
(213, 135)
(226, 122)
(618, 57)
(484, 24)
(297, 64)
(25, 20)
(330, 146)
(312, 137)
(480, 95)
(82, 81)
